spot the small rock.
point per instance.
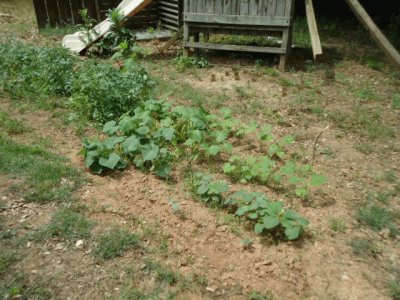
(34, 271)
(59, 247)
(384, 233)
(211, 289)
(79, 244)
(345, 276)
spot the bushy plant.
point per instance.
(30, 71)
(184, 62)
(103, 92)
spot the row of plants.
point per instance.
(266, 216)
(96, 90)
(158, 134)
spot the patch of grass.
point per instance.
(396, 101)
(364, 248)
(68, 224)
(374, 216)
(163, 274)
(7, 258)
(11, 125)
(46, 176)
(272, 72)
(254, 295)
(114, 243)
(58, 31)
(338, 225)
(285, 82)
(365, 148)
(21, 286)
(243, 40)
(367, 94)
(373, 63)
(394, 286)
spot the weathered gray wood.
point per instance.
(244, 7)
(209, 7)
(280, 8)
(244, 20)
(234, 47)
(235, 7)
(271, 9)
(219, 7)
(375, 32)
(172, 40)
(227, 9)
(313, 29)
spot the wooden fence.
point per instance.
(64, 12)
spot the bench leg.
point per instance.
(286, 44)
(185, 39)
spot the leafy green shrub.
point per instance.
(104, 93)
(30, 71)
(184, 62)
(115, 243)
(208, 190)
(269, 216)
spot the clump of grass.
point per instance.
(7, 258)
(11, 125)
(338, 225)
(374, 216)
(394, 286)
(255, 295)
(46, 177)
(68, 224)
(163, 274)
(396, 101)
(114, 243)
(364, 248)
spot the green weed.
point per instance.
(7, 258)
(68, 224)
(338, 225)
(243, 40)
(396, 101)
(365, 248)
(163, 274)
(254, 295)
(11, 125)
(183, 63)
(46, 176)
(114, 243)
(394, 286)
(374, 216)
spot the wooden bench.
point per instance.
(239, 17)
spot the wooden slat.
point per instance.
(234, 47)
(280, 8)
(235, 10)
(375, 32)
(227, 7)
(41, 13)
(52, 13)
(64, 11)
(237, 20)
(313, 29)
(244, 7)
(271, 8)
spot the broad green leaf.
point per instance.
(288, 169)
(286, 140)
(110, 142)
(218, 187)
(143, 130)
(258, 228)
(317, 179)
(110, 162)
(110, 128)
(275, 208)
(270, 222)
(227, 147)
(302, 192)
(203, 189)
(131, 144)
(228, 168)
(253, 216)
(90, 158)
(150, 153)
(219, 136)
(162, 170)
(290, 214)
(213, 150)
(241, 210)
(294, 180)
(168, 133)
(292, 233)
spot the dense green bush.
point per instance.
(104, 93)
(99, 91)
(28, 71)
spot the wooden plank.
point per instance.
(64, 11)
(253, 7)
(172, 40)
(76, 6)
(227, 9)
(257, 49)
(219, 7)
(201, 6)
(41, 13)
(244, 7)
(280, 8)
(271, 9)
(52, 13)
(237, 20)
(209, 7)
(235, 7)
(313, 29)
(375, 32)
